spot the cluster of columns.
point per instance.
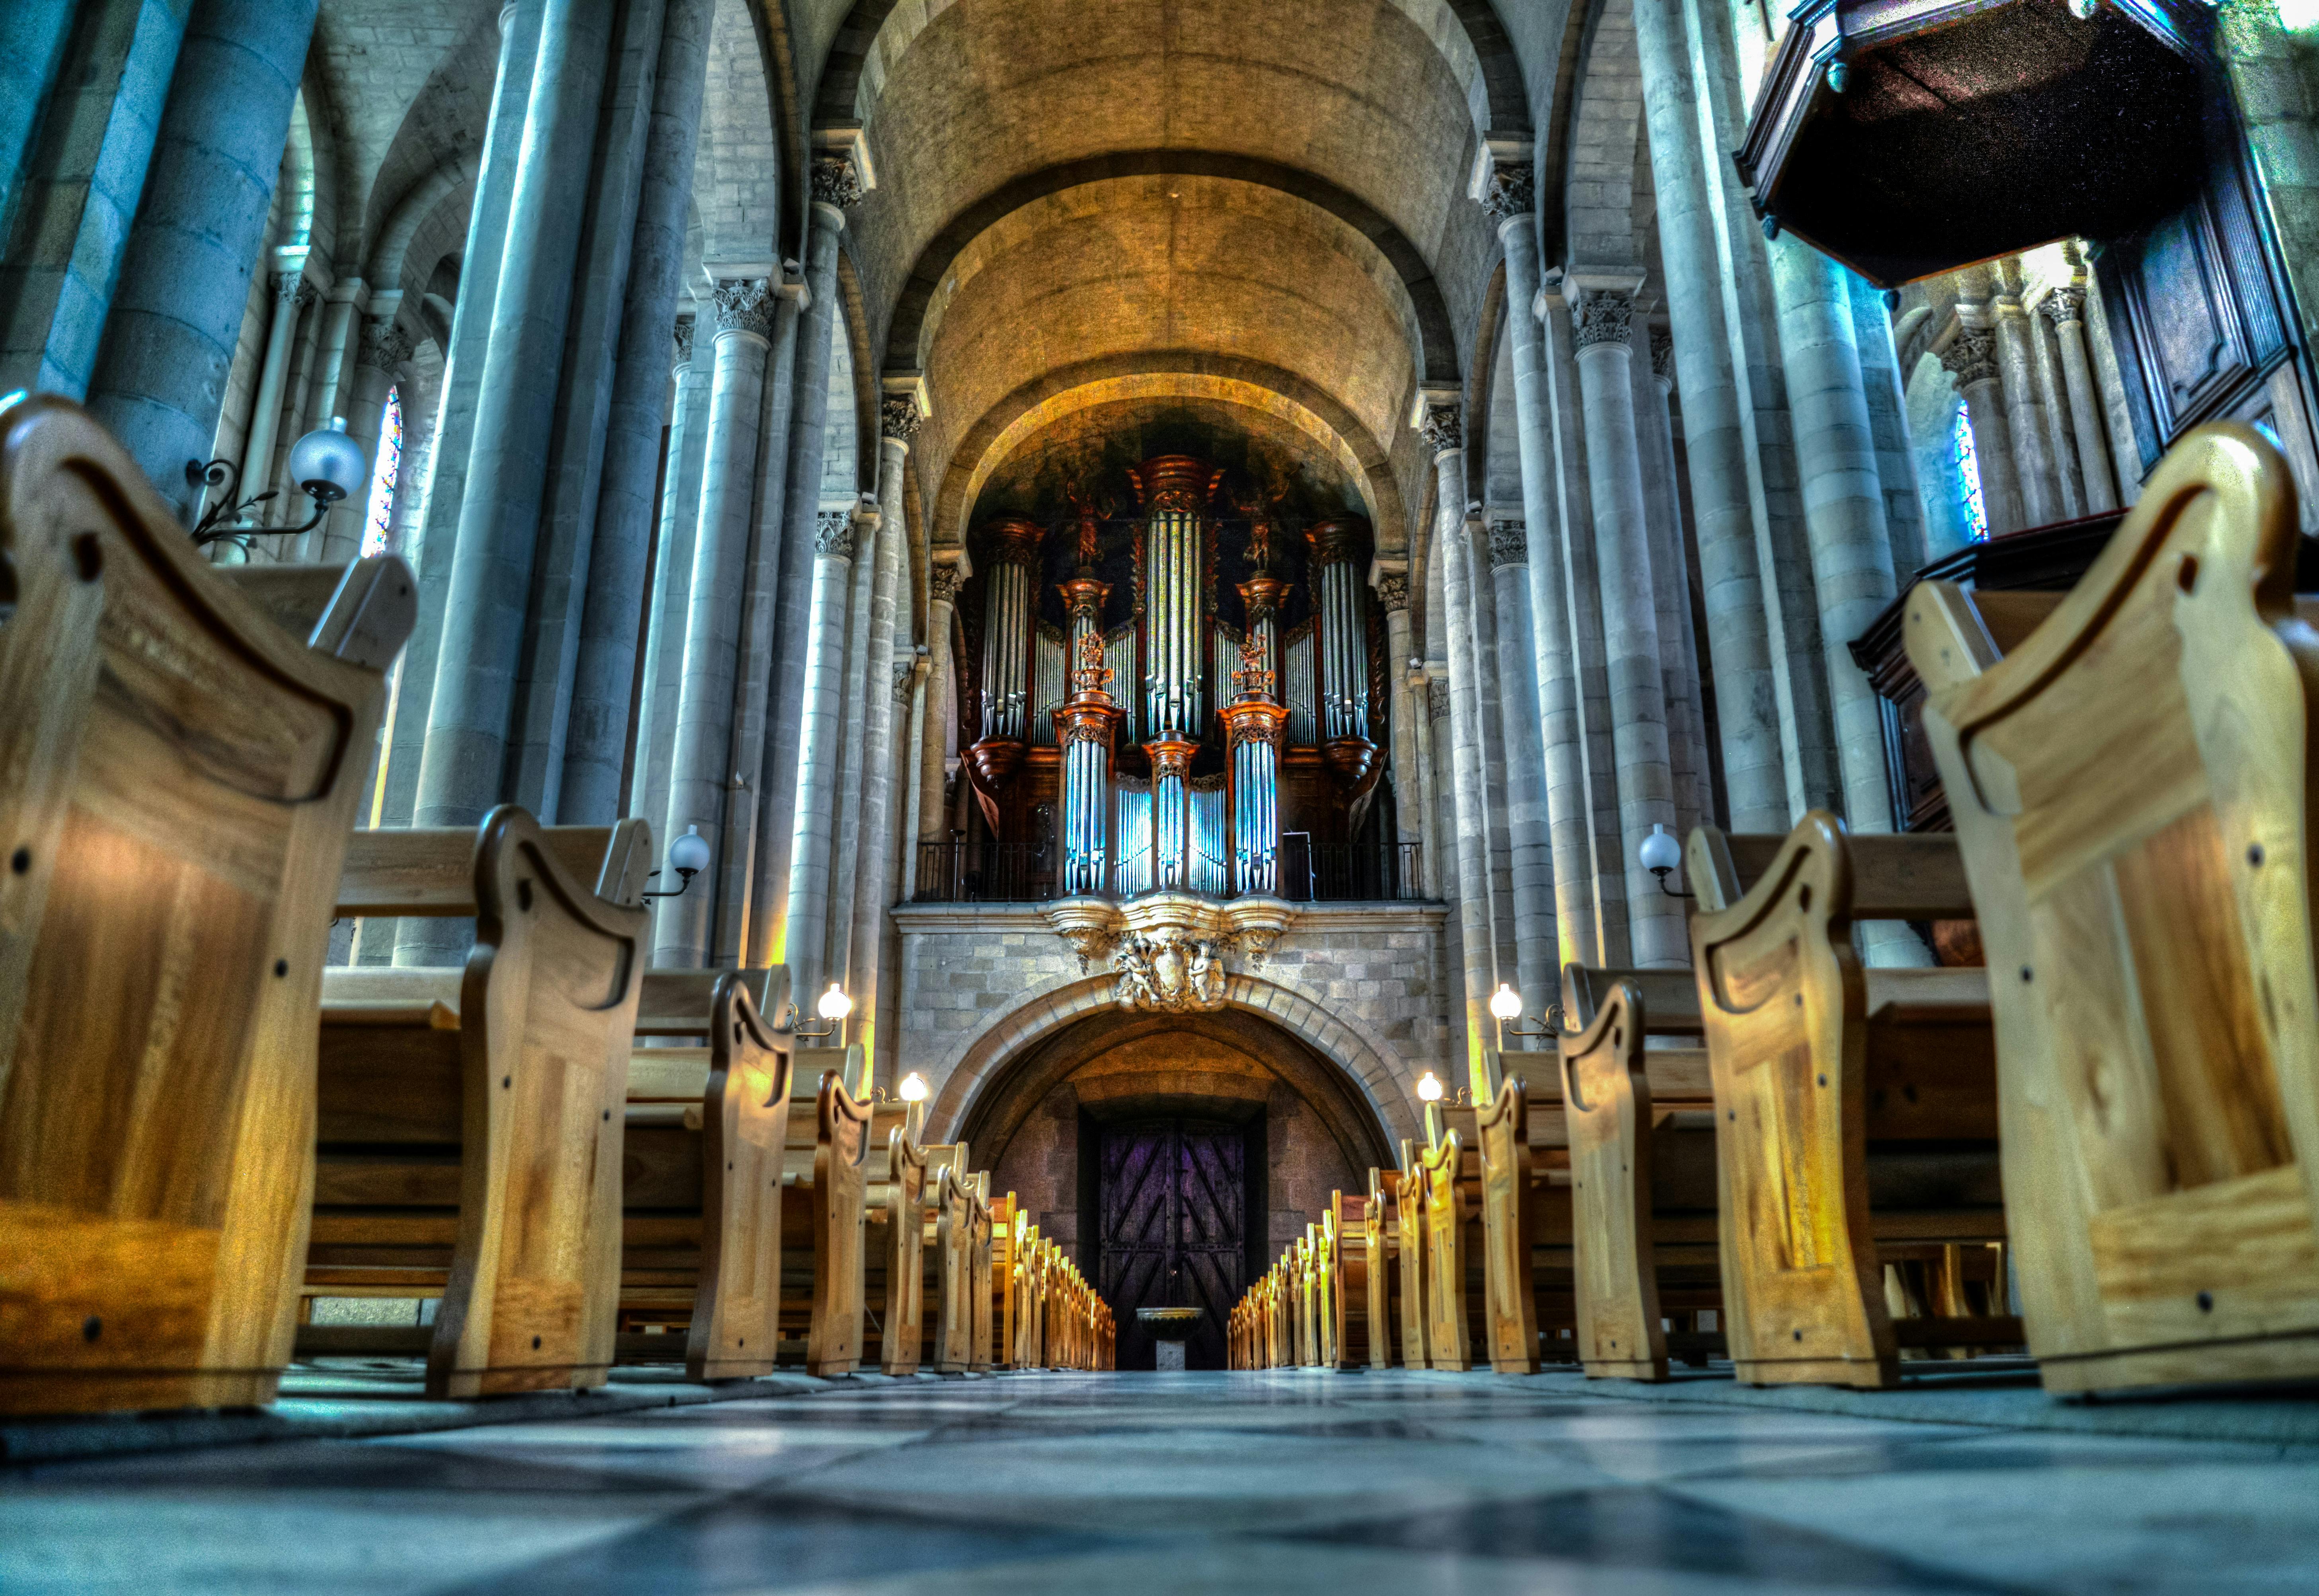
(1567, 717)
(2024, 368)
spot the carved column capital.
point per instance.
(1662, 353)
(942, 583)
(835, 182)
(683, 341)
(1509, 544)
(1604, 316)
(2065, 303)
(1443, 429)
(898, 419)
(1393, 590)
(383, 347)
(1972, 356)
(833, 534)
(1437, 699)
(746, 304)
(905, 675)
(1513, 191)
(290, 288)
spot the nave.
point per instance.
(1185, 1483)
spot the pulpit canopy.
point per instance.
(1910, 136)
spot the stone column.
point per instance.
(1851, 547)
(699, 778)
(292, 507)
(873, 878)
(1972, 359)
(1646, 783)
(434, 546)
(736, 867)
(292, 294)
(2065, 308)
(672, 594)
(1536, 944)
(931, 822)
(1553, 679)
(817, 767)
(2024, 415)
(1671, 568)
(604, 674)
(380, 355)
(1402, 719)
(836, 188)
(1445, 438)
(462, 772)
(1716, 432)
(178, 305)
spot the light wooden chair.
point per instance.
(1856, 1110)
(181, 756)
(2131, 782)
(472, 1118)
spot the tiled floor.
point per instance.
(1179, 1483)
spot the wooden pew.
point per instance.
(1383, 1270)
(2130, 781)
(471, 1119)
(1006, 1222)
(1856, 1109)
(956, 1216)
(1346, 1223)
(825, 1174)
(180, 764)
(701, 1206)
(1521, 1192)
(893, 1249)
(1643, 1192)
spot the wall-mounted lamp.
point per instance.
(326, 464)
(834, 1007)
(1429, 1087)
(1661, 855)
(913, 1087)
(1506, 1006)
(688, 856)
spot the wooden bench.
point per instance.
(1856, 1110)
(1640, 1126)
(1346, 1224)
(181, 757)
(1519, 1194)
(1403, 1190)
(701, 1204)
(470, 1120)
(2129, 777)
(825, 1221)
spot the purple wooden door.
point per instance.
(1172, 1230)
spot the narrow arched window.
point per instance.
(380, 515)
(1970, 502)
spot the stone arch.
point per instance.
(1437, 351)
(738, 172)
(1606, 127)
(1466, 33)
(1376, 1075)
(988, 441)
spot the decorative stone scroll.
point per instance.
(1168, 948)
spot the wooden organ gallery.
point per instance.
(1188, 698)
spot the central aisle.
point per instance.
(1345, 1484)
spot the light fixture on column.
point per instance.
(326, 464)
(1660, 855)
(1506, 1006)
(688, 856)
(833, 1008)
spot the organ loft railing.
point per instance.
(1185, 698)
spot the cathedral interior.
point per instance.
(1155, 795)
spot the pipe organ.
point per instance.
(1164, 696)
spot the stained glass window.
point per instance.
(1968, 472)
(380, 515)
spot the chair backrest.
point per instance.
(179, 775)
(745, 1114)
(2131, 787)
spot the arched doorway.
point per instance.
(1173, 1155)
